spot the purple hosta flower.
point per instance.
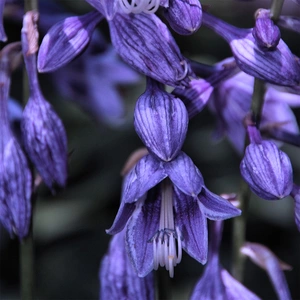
(145, 43)
(290, 22)
(43, 133)
(184, 16)
(3, 37)
(161, 121)
(266, 169)
(266, 33)
(216, 283)
(267, 260)
(118, 279)
(278, 66)
(15, 176)
(164, 207)
(231, 102)
(65, 40)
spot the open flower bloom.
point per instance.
(164, 208)
(216, 283)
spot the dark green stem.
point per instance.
(27, 267)
(276, 8)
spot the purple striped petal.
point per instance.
(215, 207)
(106, 7)
(161, 121)
(145, 43)
(192, 226)
(65, 40)
(147, 173)
(142, 226)
(185, 175)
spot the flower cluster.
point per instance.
(165, 203)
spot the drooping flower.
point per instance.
(160, 219)
(118, 280)
(216, 283)
(15, 175)
(144, 42)
(278, 66)
(43, 132)
(267, 260)
(266, 169)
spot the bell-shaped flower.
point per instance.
(144, 42)
(216, 283)
(267, 260)
(278, 66)
(15, 175)
(43, 133)
(184, 16)
(161, 121)
(266, 169)
(118, 279)
(267, 34)
(164, 207)
(3, 37)
(66, 40)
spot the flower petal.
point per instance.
(147, 173)
(215, 207)
(143, 224)
(185, 175)
(192, 225)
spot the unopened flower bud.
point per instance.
(161, 121)
(15, 176)
(65, 40)
(266, 33)
(43, 133)
(184, 16)
(266, 169)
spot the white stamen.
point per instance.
(166, 241)
(185, 70)
(139, 6)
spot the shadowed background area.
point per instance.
(69, 227)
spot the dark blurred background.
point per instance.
(69, 227)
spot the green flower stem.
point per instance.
(276, 8)
(239, 223)
(27, 273)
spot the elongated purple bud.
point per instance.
(278, 66)
(161, 121)
(65, 40)
(146, 44)
(43, 133)
(15, 176)
(184, 16)
(3, 37)
(266, 33)
(266, 169)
